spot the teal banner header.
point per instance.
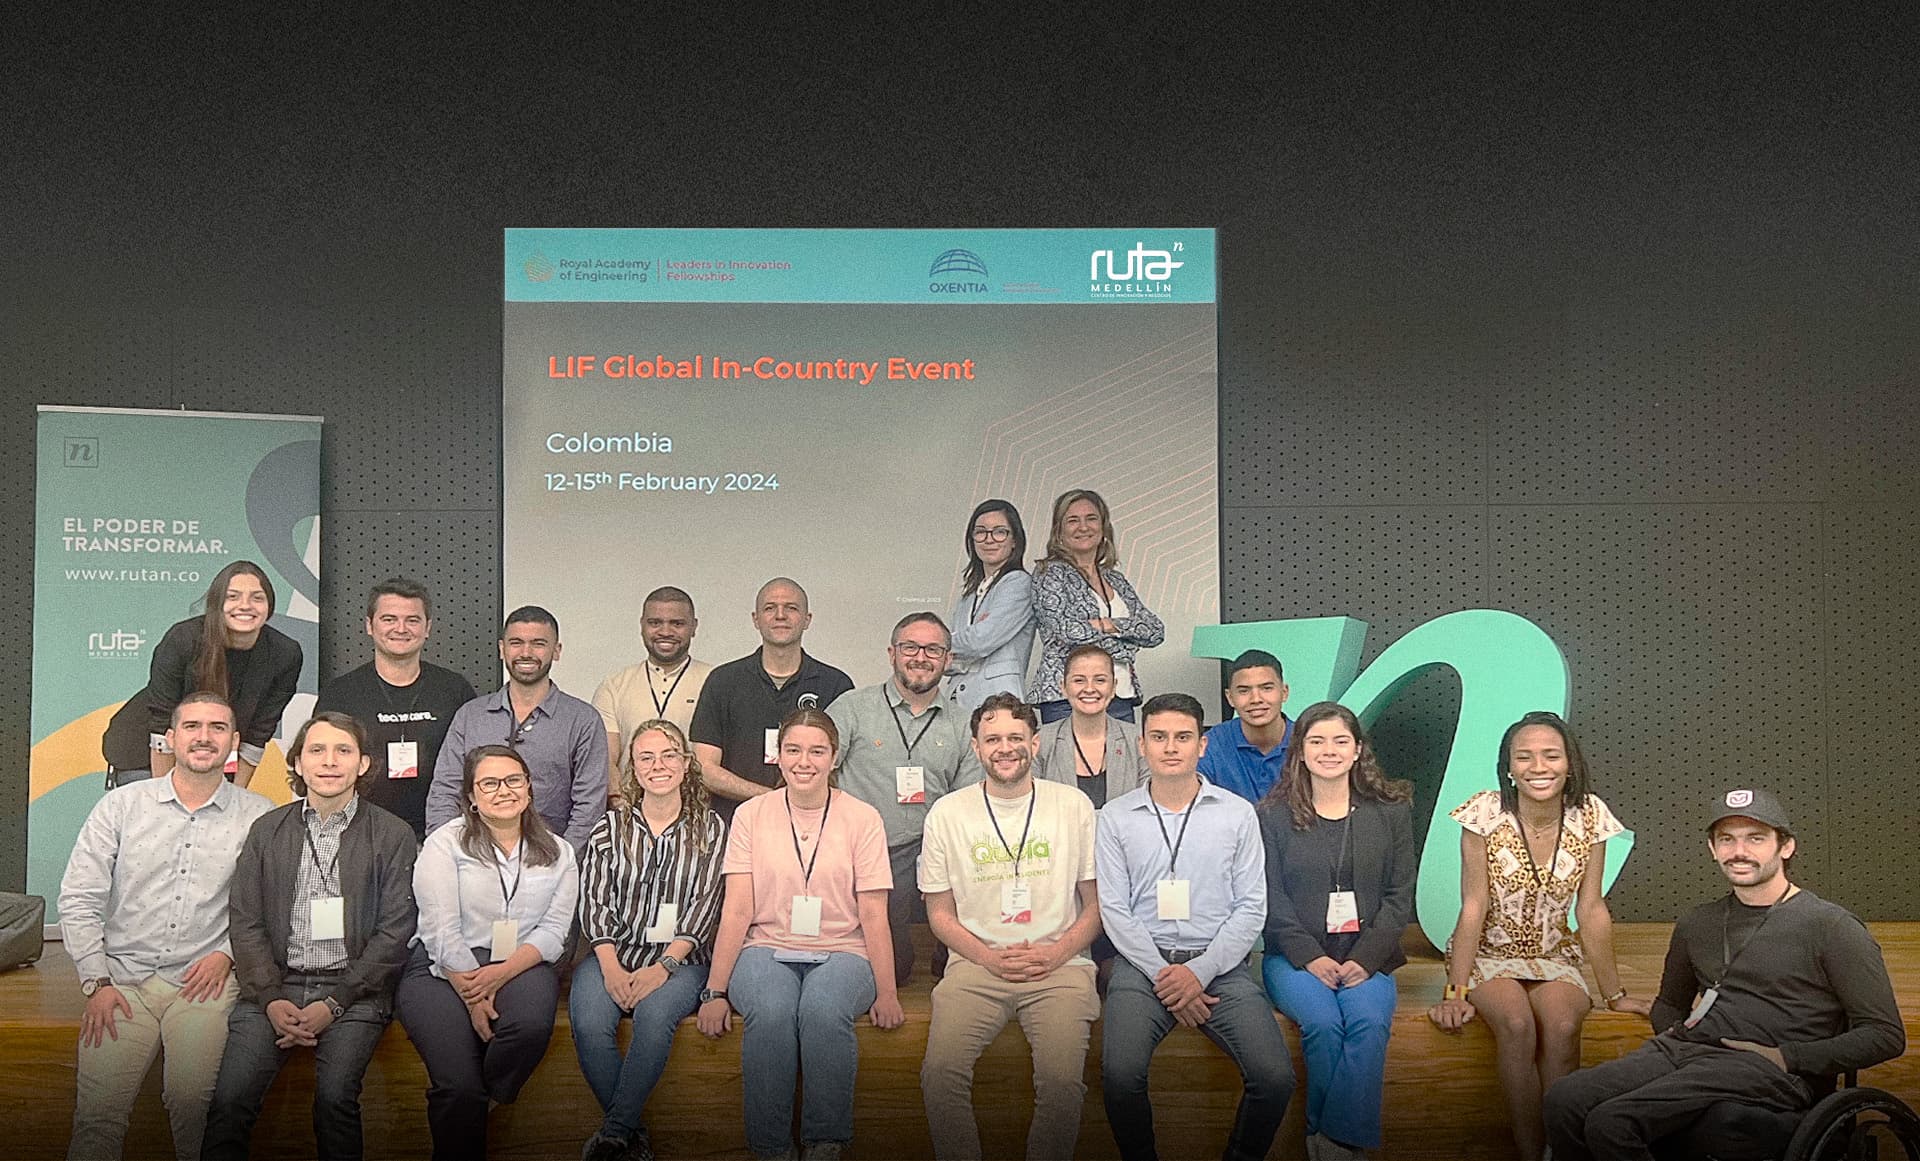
(861, 266)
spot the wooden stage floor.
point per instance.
(1441, 1096)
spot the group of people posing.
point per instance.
(755, 839)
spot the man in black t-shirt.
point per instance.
(405, 703)
(1767, 992)
(744, 700)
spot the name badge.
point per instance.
(1343, 912)
(1173, 899)
(506, 937)
(328, 918)
(806, 915)
(910, 783)
(1701, 1005)
(1016, 903)
(770, 749)
(665, 922)
(403, 759)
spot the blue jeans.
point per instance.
(622, 1087)
(799, 1019)
(1242, 1024)
(252, 1061)
(1343, 1034)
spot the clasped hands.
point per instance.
(476, 990)
(1024, 962)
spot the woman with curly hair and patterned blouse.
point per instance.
(1529, 853)
(1080, 597)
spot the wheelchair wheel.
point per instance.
(1856, 1124)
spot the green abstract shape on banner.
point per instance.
(1507, 666)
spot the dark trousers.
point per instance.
(1242, 1024)
(1617, 1110)
(903, 903)
(252, 1061)
(465, 1072)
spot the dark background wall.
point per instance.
(1609, 320)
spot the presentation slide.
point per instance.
(713, 408)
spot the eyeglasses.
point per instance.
(915, 649)
(513, 782)
(665, 758)
(996, 535)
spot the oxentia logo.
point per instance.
(957, 272)
(1136, 273)
(538, 268)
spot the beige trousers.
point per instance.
(194, 1036)
(970, 1007)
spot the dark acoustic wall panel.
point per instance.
(1603, 320)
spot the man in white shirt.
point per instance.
(1008, 872)
(143, 913)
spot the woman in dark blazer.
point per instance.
(1341, 868)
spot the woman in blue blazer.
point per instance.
(992, 622)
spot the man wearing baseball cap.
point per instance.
(1768, 993)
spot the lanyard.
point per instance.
(506, 896)
(1173, 847)
(806, 865)
(1340, 860)
(895, 711)
(326, 870)
(1091, 772)
(660, 705)
(993, 818)
(1526, 847)
(1727, 953)
(1102, 592)
(980, 594)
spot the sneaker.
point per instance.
(823, 1151)
(601, 1147)
(639, 1146)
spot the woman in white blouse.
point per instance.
(496, 892)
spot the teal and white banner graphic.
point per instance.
(136, 511)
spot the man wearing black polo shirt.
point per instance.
(743, 701)
(405, 703)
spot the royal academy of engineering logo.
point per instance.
(1137, 273)
(957, 272)
(538, 268)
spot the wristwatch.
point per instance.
(333, 1006)
(671, 964)
(709, 994)
(89, 987)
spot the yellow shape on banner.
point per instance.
(73, 751)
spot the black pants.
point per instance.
(1617, 1110)
(464, 1071)
(903, 904)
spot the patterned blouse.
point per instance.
(1063, 603)
(1526, 936)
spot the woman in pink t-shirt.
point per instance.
(803, 947)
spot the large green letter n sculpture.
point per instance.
(1506, 665)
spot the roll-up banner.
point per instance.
(713, 408)
(136, 511)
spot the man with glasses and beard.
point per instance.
(561, 738)
(1769, 992)
(902, 747)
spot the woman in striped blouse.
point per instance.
(650, 892)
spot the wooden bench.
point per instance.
(1442, 1099)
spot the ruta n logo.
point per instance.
(1507, 667)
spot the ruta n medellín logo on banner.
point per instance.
(1136, 273)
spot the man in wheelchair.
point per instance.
(1768, 993)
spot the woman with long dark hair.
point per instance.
(1529, 853)
(1080, 597)
(992, 622)
(650, 892)
(1341, 863)
(496, 892)
(228, 649)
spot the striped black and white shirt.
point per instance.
(626, 873)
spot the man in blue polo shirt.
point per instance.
(1245, 751)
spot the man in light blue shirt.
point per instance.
(143, 913)
(1184, 930)
(1244, 752)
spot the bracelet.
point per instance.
(1453, 992)
(1615, 998)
